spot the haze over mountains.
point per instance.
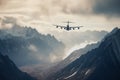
(26, 46)
(94, 62)
(101, 63)
(41, 54)
(72, 57)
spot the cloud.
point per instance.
(56, 7)
(73, 6)
(76, 38)
(8, 22)
(2, 2)
(107, 7)
(71, 38)
(45, 7)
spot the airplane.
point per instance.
(68, 28)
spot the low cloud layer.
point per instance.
(76, 38)
(8, 22)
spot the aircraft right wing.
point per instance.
(78, 27)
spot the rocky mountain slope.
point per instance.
(101, 63)
(25, 46)
(9, 71)
(73, 56)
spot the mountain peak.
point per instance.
(26, 42)
(101, 63)
(114, 31)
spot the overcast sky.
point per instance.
(94, 15)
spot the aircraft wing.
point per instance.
(78, 27)
(57, 26)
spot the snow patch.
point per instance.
(87, 71)
(33, 48)
(71, 75)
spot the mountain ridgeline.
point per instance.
(24, 45)
(72, 57)
(101, 63)
(9, 71)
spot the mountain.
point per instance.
(101, 63)
(76, 54)
(25, 46)
(73, 56)
(9, 71)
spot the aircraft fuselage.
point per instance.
(68, 28)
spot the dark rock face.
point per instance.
(102, 63)
(8, 70)
(28, 44)
(73, 56)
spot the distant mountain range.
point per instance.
(9, 71)
(25, 46)
(101, 63)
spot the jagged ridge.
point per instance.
(102, 63)
(28, 44)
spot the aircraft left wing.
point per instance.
(57, 26)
